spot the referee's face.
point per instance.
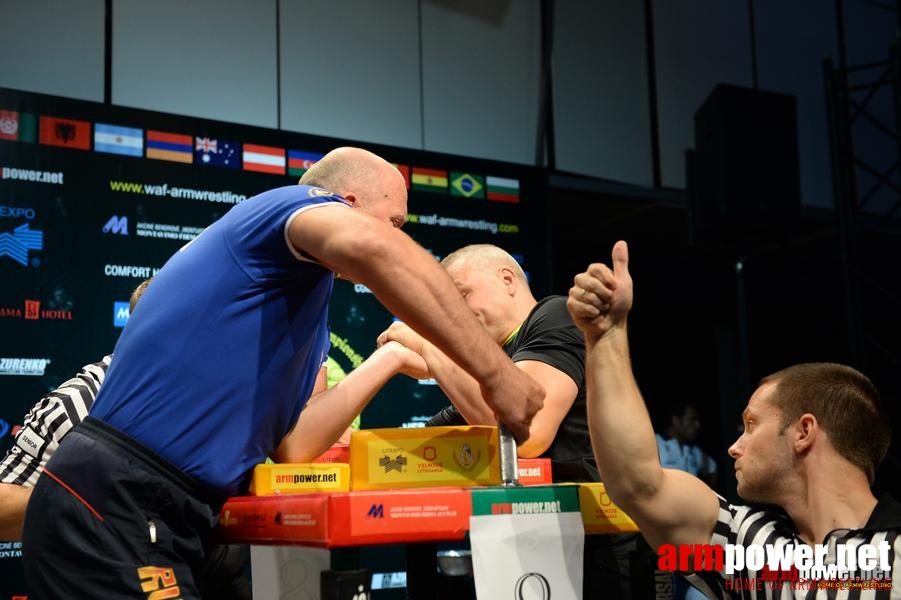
(762, 453)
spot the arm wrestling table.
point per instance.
(417, 517)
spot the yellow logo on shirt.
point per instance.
(159, 582)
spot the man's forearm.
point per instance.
(460, 387)
(327, 415)
(13, 502)
(621, 432)
(669, 506)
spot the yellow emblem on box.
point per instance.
(299, 478)
(599, 513)
(427, 457)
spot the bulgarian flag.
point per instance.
(502, 190)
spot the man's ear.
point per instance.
(805, 431)
(509, 278)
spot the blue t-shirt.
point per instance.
(222, 352)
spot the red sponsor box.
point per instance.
(297, 519)
(534, 471)
(348, 519)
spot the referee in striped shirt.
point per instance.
(45, 425)
(813, 437)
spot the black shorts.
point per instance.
(111, 519)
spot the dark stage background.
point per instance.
(711, 317)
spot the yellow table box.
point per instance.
(299, 478)
(424, 457)
(599, 513)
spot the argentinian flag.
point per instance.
(118, 140)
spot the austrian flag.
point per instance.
(264, 159)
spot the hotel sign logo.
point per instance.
(31, 311)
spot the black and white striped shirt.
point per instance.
(48, 422)
(747, 526)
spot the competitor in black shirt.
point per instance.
(542, 340)
(548, 336)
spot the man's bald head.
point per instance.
(347, 169)
(366, 180)
(482, 257)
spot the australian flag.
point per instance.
(217, 153)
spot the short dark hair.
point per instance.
(136, 295)
(846, 404)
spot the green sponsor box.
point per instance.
(533, 499)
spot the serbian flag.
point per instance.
(264, 159)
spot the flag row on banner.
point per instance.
(188, 149)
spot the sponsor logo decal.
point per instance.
(136, 271)
(31, 311)
(17, 244)
(158, 582)
(465, 458)
(23, 366)
(121, 314)
(395, 464)
(116, 225)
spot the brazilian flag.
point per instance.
(469, 186)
